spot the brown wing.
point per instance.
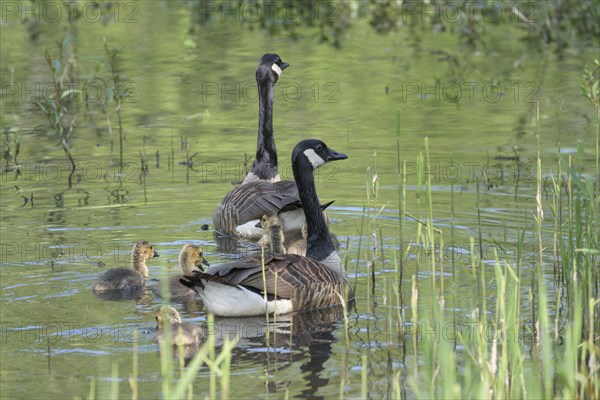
(308, 283)
(251, 201)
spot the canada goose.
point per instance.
(127, 279)
(190, 258)
(262, 190)
(264, 167)
(290, 282)
(184, 333)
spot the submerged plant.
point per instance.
(11, 144)
(119, 91)
(57, 108)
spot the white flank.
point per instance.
(230, 301)
(334, 263)
(249, 230)
(277, 70)
(292, 220)
(314, 158)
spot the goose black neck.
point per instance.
(319, 244)
(265, 163)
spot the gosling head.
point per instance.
(270, 67)
(167, 314)
(269, 220)
(142, 251)
(190, 257)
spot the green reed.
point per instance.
(494, 359)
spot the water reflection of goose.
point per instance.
(303, 340)
(123, 283)
(287, 283)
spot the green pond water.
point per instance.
(193, 93)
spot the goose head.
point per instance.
(313, 153)
(142, 251)
(167, 314)
(270, 68)
(191, 257)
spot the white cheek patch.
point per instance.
(314, 158)
(277, 70)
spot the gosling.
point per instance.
(273, 236)
(182, 333)
(190, 258)
(127, 279)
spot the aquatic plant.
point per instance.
(57, 107)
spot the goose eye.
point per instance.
(319, 147)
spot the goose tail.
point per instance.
(198, 279)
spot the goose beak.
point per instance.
(155, 254)
(334, 155)
(284, 65)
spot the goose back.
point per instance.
(246, 204)
(296, 282)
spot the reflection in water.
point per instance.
(307, 337)
(139, 295)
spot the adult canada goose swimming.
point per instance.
(128, 279)
(264, 167)
(191, 258)
(261, 191)
(184, 333)
(290, 282)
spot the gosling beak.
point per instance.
(155, 254)
(205, 262)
